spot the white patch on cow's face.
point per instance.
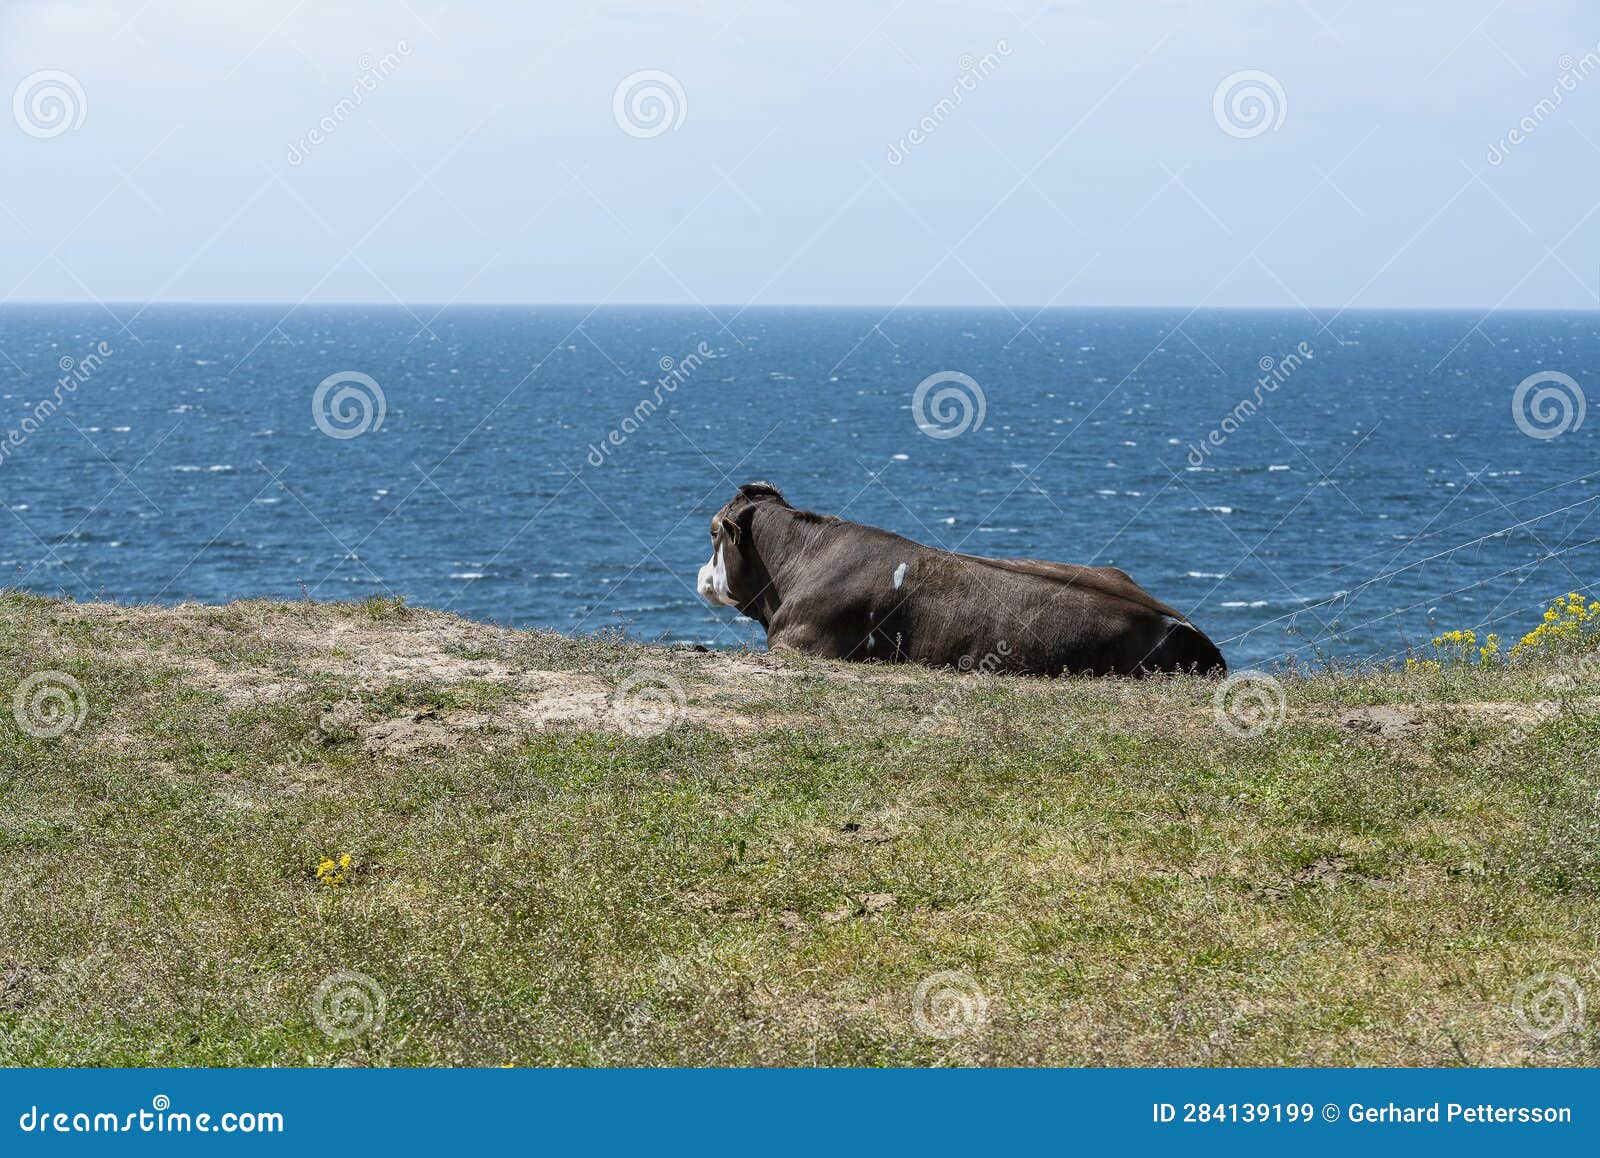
(713, 581)
(899, 576)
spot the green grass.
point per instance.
(1115, 878)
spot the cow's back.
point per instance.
(1047, 618)
(862, 593)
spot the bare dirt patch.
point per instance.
(1327, 872)
(422, 732)
(259, 653)
(1382, 720)
(1408, 721)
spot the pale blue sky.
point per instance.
(1086, 168)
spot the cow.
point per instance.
(842, 590)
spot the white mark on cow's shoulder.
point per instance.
(899, 576)
(1174, 621)
(872, 617)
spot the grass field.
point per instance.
(592, 852)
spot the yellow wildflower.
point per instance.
(1569, 622)
(1456, 646)
(334, 873)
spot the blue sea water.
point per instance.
(1380, 489)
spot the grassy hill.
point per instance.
(298, 833)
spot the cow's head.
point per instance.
(732, 577)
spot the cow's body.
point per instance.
(847, 591)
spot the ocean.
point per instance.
(1301, 486)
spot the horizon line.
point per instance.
(711, 307)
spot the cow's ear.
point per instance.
(731, 529)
